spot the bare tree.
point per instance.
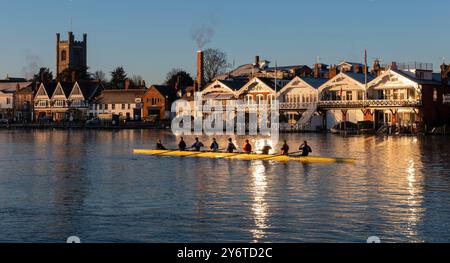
(216, 63)
(137, 81)
(100, 76)
(178, 77)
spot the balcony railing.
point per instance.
(351, 104)
(370, 104)
(297, 105)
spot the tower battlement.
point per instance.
(70, 53)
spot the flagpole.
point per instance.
(276, 77)
(365, 74)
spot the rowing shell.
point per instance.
(241, 156)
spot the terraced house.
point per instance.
(394, 98)
(63, 101)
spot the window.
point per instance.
(435, 95)
(411, 94)
(396, 94)
(113, 106)
(101, 106)
(64, 55)
(8, 101)
(59, 103)
(129, 106)
(360, 95)
(402, 94)
(271, 98)
(106, 106)
(123, 106)
(349, 95)
(249, 99)
(260, 98)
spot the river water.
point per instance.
(56, 184)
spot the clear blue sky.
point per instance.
(150, 37)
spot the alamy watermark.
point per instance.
(226, 117)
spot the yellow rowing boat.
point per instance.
(241, 156)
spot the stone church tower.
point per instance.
(70, 53)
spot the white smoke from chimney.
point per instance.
(203, 35)
(34, 62)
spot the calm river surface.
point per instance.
(56, 184)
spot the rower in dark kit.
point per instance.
(160, 146)
(214, 146)
(198, 145)
(231, 147)
(182, 145)
(285, 148)
(306, 150)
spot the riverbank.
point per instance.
(129, 126)
(141, 125)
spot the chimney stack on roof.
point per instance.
(127, 84)
(333, 72)
(316, 70)
(257, 61)
(200, 71)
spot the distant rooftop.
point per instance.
(415, 66)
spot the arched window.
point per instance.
(63, 55)
(249, 99)
(259, 98)
(271, 98)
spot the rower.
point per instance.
(266, 149)
(160, 146)
(182, 145)
(306, 150)
(198, 145)
(285, 148)
(247, 147)
(231, 147)
(214, 146)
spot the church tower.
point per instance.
(70, 54)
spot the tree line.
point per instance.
(215, 64)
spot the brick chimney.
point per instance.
(356, 68)
(200, 71)
(376, 69)
(316, 71)
(257, 62)
(127, 84)
(333, 72)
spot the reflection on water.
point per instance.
(414, 200)
(259, 206)
(55, 184)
